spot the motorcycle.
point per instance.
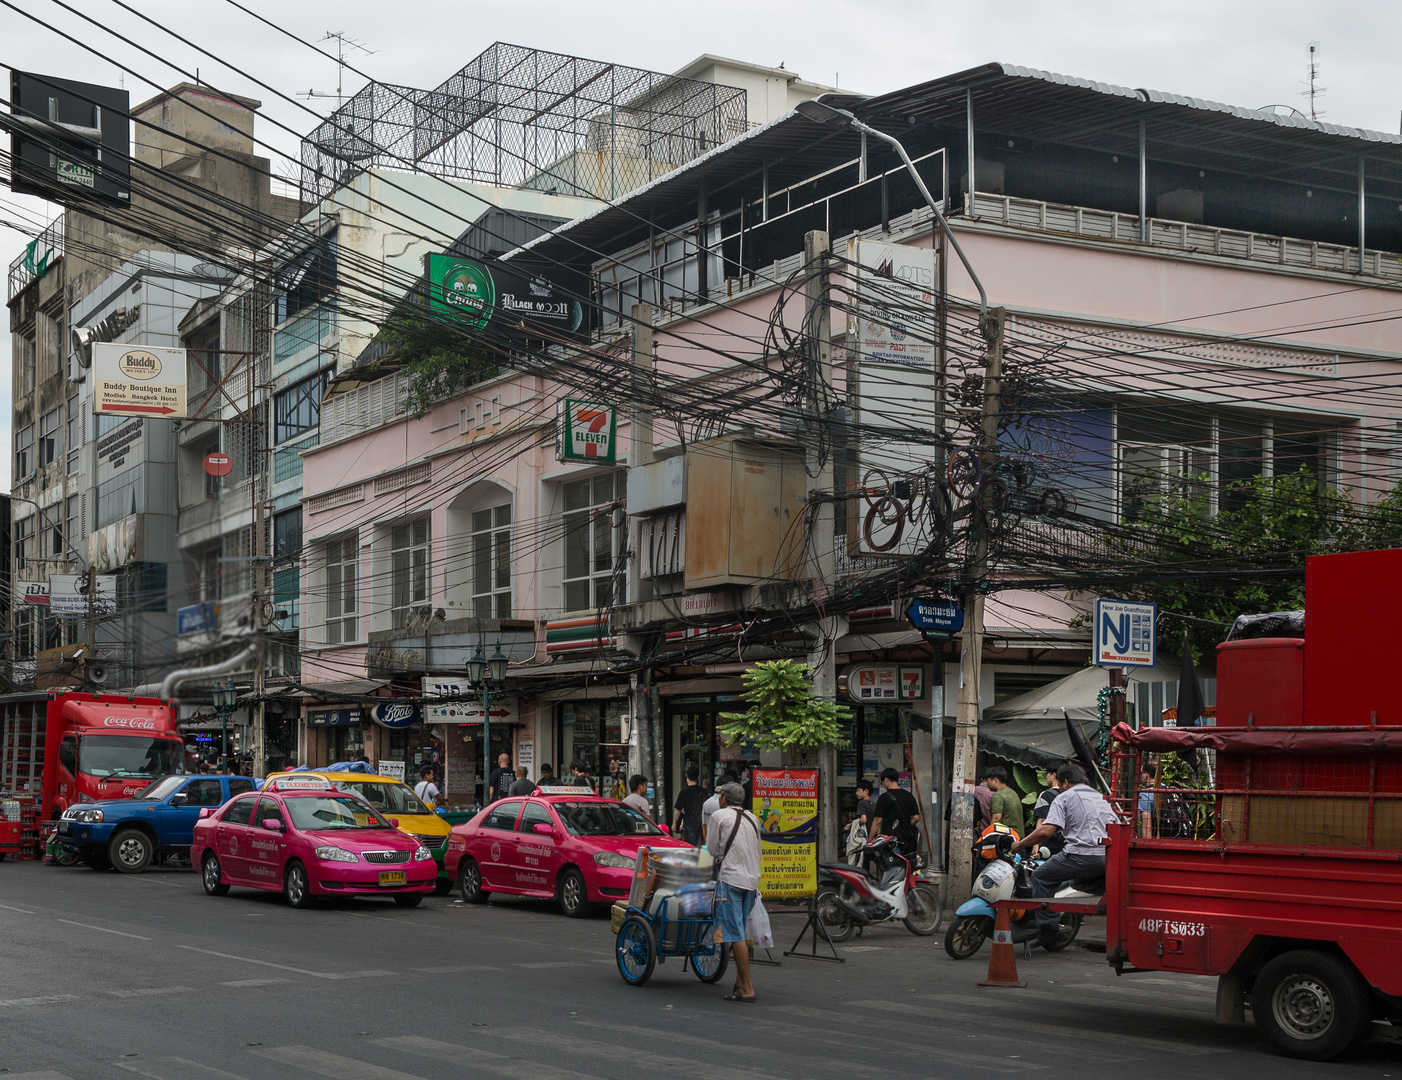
(851, 897)
(1005, 877)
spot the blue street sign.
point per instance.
(195, 618)
(935, 615)
(1124, 633)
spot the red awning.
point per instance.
(1255, 741)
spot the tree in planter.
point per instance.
(783, 714)
(438, 358)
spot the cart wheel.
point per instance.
(637, 951)
(710, 967)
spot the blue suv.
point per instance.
(131, 834)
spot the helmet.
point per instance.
(995, 882)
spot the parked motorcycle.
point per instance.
(1004, 877)
(851, 897)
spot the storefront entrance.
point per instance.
(690, 724)
(591, 735)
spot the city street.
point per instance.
(103, 976)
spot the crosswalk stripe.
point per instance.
(285, 967)
(90, 926)
(43, 999)
(482, 1060)
(149, 991)
(324, 1063)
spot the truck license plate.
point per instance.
(392, 877)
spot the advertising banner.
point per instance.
(68, 595)
(786, 803)
(514, 300)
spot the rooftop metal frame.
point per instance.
(521, 117)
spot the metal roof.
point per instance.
(1039, 106)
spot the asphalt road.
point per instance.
(103, 976)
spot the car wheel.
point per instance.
(470, 882)
(409, 899)
(296, 887)
(131, 851)
(443, 886)
(212, 876)
(1311, 1005)
(574, 896)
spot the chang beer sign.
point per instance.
(461, 287)
(588, 432)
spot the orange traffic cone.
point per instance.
(1002, 961)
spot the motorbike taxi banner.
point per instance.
(786, 803)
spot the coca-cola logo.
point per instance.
(143, 723)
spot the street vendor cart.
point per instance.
(670, 912)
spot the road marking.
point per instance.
(46, 1075)
(47, 999)
(22, 911)
(149, 991)
(285, 967)
(482, 1060)
(461, 967)
(334, 1065)
(90, 926)
(239, 983)
(186, 1065)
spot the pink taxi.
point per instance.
(560, 843)
(302, 837)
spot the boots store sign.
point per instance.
(393, 714)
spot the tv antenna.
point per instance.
(1313, 90)
(342, 40)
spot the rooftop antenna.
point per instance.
(342, 40)
(1314, 91)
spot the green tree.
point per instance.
(783, 714)
(439, 359)
(1248, 556)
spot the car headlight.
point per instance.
(335, 854)
(422, 854)
(87, 816)
(612, 858)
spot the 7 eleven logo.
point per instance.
(589, 431)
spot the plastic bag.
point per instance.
(757, 927)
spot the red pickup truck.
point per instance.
(67, 748)
(1288, 886)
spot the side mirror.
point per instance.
(179, 799)
(272, 824)
(540, 828)
(666, 831)
(67, 753)
(206, 811)
(394, 821)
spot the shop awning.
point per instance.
(330, 691)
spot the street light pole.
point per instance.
(485, 676)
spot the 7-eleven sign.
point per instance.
(588, 432)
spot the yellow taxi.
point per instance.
(395, 800)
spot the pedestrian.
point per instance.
(637, 796)
(547, 775)
(983, 800)
(499, 783)
(1081, 814)
(897, 813)
(686, 819)
(749, 784)
(522, 785)
(426, 789)
(859, 829)
(1005, 807)
(1042, 807)
(579, 775)
(711, 805)
(734, 844)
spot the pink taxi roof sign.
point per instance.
(301, 783)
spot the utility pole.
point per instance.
(961, 817)
(827, 627)
(260, 462)
(640, 453)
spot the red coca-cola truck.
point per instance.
(66, 748)
(1287, 884)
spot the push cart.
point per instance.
(670, 912)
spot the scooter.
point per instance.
(1005, 877)
(851, 898)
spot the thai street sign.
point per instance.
(138, 381)
(936, 618)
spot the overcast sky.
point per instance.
(1245, 53)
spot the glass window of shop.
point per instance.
(344, 743)
(591, 734)
(416, 746)
(878, 738)
(692, 740)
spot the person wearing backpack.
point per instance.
(733, 842)
(897, 813)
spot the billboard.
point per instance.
(69, 141)
(136, 380)
(507, 300)
(786, 803)
(68, 595)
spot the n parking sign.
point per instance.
(588, 432)
(1124, 633)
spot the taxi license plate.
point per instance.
(392, 877)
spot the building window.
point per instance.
(120, 497)
(287, 534)
(51, 531)
(306, 278)
(24, 452)
(491, 563)
(27, 361)
(342, 576)
(75, 435)
(24, 541)
(24, 634)
(590, 544)
(49, 425)
(298, 408)
(408, 547)
(73, 525)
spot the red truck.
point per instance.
(1288, 886)
(66, 748)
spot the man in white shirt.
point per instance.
(637, 796)
(734, 843)
(426, 789)
(711, 805)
